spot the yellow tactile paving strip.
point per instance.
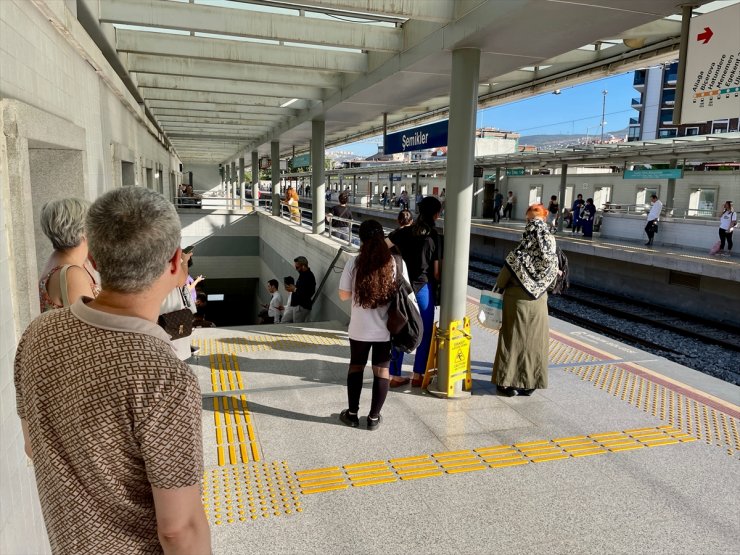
(320, 480)
(265, 342)
(686, 414)
(235, 437)
(250, 491)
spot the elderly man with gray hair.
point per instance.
(110, 416)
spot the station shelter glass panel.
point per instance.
(702, 202)
(602, 195)
(535, 194)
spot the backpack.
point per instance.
(562, 281)
(404, 318)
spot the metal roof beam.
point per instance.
(237, 108)
(252, 24)
(286, 92)
(194, 115)
(216, 136)
(239, 71)
(234, 51)
(440, 11)
(202, 96)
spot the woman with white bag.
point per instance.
(520, 365)
(727, 224)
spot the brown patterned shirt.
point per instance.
(111, 412)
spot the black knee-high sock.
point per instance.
(354, 390)
(380, 391)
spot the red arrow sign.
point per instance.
(705, 36)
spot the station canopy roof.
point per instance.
(224, 77)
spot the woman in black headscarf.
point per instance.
(521, 359)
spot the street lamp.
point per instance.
(603, 113)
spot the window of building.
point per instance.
(642, 198)
(633, 134)
(721, 126)
(667, 133)
(690, 131)
(702, 202)
(602, 195)
(669, 95)
(535, 194)
(666, 116)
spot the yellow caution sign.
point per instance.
(458, 352)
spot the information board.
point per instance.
(671, 173)
(712, 84)
(418, 138)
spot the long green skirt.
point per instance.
(523, 341)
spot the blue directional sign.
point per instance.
(670, 173)
(302, 161)
(418, 138)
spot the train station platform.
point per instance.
(625, 452)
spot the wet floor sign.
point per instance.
(455, 342)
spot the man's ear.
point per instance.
(175, 262)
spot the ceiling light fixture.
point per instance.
(286, 104)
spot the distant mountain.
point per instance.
(568, 140)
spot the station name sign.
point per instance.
(670, 173)
(418, 138)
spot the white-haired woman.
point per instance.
(67, 275)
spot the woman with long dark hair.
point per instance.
(521, 360)
(369, 280)
(421, 248)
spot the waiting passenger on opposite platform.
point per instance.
(340, 228)
(727, 225)
(369, 280)
(119, 470)
(652, 219)
(521, 361)
(68, 274)
(498, 202)
(553, 211)
(305, 287)
(509, 206)
(588, 215)
(578, 205)
(421, 248)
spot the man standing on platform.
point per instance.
(498, 202)
(576, 213)
(652, 219)
(110, 416)
(305, 288)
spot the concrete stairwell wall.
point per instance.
(280, 242)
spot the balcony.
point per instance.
(634, 121)
(637, 103)
(639, 80)
(670, 79)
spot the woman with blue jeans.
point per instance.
(421, 249)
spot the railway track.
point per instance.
(709, 347)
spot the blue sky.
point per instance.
(576, 110)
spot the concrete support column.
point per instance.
(242, 182)
(318, 183)
(563, 179)
(275, 176)
(255, 178)
(354, 188)
(232, 186)
(670, 193)
(459, 197)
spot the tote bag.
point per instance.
(491, 309)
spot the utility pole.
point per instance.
(603, 114)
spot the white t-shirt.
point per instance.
(655, 210)
(366, 324)
(275, 302)
(726, 220)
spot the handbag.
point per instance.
(491, 313)
(715, 248)
(404, 319)
(178, 323)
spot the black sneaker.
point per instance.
(374, 423)
(507, 391)
(352, 420)
(525, 392)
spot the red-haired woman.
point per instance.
(369, 280)
(521, 359)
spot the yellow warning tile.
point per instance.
(366, 471)
(362, 478)
(416, 468)
(456, 464)
(618, 448)
(639, 430)
(451, 453)
(666, 441)
(507, 457)
(465, 469)
(400, 467)
(562, 439)
(467, 456)
(409, 459)
(576, 448)
(589, 453)
(363, 465)
(540, 451)
(417, 475)
(317, 471)
(312, 483)
(530, 443)
(373, 482)
(548, 457)
(508, 463)
(322, 489)
(493, 449)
